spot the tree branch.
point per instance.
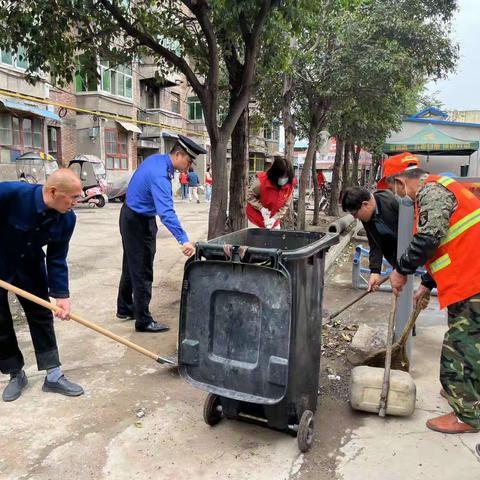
(251, 51)
(200, 9)
(147, 40)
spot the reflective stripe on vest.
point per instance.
(461, 226)
(441, 262)
(445, 181)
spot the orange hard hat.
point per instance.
(396, 164)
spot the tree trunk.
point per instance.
(346, 166)
(316, 192)
(287, 117)
(306, 171)
(238, 175)
(218, 206)
(288, 221)
(355, 159)
(333, 208)
(376, 161)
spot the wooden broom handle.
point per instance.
(84, 322)
(388, 359)
(355, 300)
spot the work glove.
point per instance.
(265, 213)
(270, 222)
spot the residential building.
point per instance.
(122, 115)
(107, 133)
(26, 120)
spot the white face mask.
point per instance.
(282, 181)
(397, 195)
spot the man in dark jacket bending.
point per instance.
(33, 217)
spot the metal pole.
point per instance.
(405, 235)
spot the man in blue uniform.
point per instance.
(150, 193)
(32, 217)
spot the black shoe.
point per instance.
(125, 316)
(15, 386)
(152, 326)
(63, 386)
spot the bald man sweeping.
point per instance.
(33, 217)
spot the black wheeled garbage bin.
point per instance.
(250, 327)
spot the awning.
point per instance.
(432, 141)
(130, 127)
(23, 107)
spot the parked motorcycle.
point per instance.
(93, 175)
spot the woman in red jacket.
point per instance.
(269, 195)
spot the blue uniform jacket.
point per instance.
(150, 193)
(26, 226)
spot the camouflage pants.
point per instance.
(460, 361)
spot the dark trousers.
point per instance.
(33, 278)
(139, 243)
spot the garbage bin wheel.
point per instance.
(305, 431)
(212, 409)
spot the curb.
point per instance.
(337, 249)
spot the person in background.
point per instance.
(269, 195)
(320, 178)
(208, 185)
(184, 185)
(150, 193)
(193, 183)
(33, 217)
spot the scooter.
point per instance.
(91, 171)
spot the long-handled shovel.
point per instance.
(85, 323)
(388, 359)
(354, 301)
(400, 360)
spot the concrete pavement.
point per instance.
(140, 420)
(404, 448)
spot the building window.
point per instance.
(151, 94)
(5, 129)
(116, 148)
(18, 60)
(85, 79)
(52, 141)
(114, 80)
(194, 109)
(175, 102)
(256, 163)
(271, 132)
(22, 133)
(27, 133)
(17, 139)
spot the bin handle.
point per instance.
(238, 253)
(261, 254)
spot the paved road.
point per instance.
(100, 436)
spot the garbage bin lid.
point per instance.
(235, 322)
